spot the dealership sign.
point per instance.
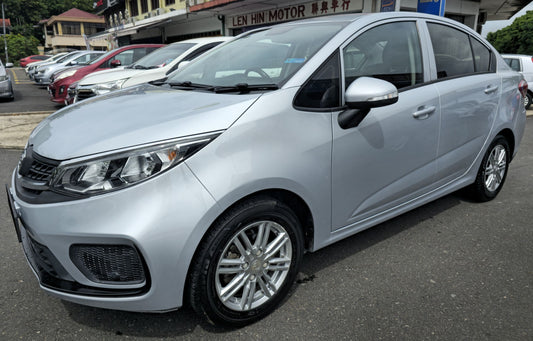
(299, 11)
(431, 7)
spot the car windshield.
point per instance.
(267, 57)
(162, 56)
(67, 56)
(104, 56)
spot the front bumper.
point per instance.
(163, 219)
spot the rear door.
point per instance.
(470, 90)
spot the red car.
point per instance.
(33, 58)
(121, 56)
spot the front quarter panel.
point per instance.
(272, 146)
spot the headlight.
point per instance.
(66, 74)
(104, 88)
(123, 169)
(3, 78)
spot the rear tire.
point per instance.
(492, 171)
(527, 101)
(247, 263)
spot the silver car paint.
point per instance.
(267, 145)
(132, 121)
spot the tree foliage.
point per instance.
(30, 12)
(18, 46)
(515, 38)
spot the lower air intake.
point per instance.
(113, 264)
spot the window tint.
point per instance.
(453, 54)
(481, 56)
(390, 52)
(322, 90)
(513, 63)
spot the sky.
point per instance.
(495, 25)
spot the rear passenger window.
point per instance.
(453, 54)
(481, 56)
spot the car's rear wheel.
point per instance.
(493, 170)
(247, 263)
(527, 101)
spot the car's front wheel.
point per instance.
(247, 262)
(493, 170)
(527, 101)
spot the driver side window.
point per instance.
(390, 52)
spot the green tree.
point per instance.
(18, 46)
(515, 38)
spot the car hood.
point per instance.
(109, 76)
(134, 116)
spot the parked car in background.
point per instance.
(209, 187)
(32, 70)
(156, 65)
(33, 58)
(120, 57)
(44, 72)
(524, 65)
(30, 67)
(6, 86)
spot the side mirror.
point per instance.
(183, 63)
(8, 65)
(72, 63)
(115, 63)
(367, 92)
(362, 95)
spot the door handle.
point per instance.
(424, 112)
(490, 89)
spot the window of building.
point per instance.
(169, 2)
(92, 28)
(134, 9)
(155, 4)
(71, 28)
(144, 6)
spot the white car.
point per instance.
(156, 65)
(523, 64)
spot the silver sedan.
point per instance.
(210, 186)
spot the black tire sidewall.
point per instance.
(262, 210)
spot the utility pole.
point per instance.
(5, 40)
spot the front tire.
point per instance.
(527, 101)
(247, 262)
(493, 171)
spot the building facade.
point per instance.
(69, 30)
(166, 21)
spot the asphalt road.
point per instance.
(29, 97)
(450, 270)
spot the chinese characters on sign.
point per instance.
(301, 11)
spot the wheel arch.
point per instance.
(291, 199)
(509, 136)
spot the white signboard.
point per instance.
(298, 11)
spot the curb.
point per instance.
(49, 112)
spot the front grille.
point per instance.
(40, 171)
(84, 94)
(117, 264)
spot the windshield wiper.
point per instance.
(190, 85)
(244, 88)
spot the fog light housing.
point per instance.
(109, 264)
